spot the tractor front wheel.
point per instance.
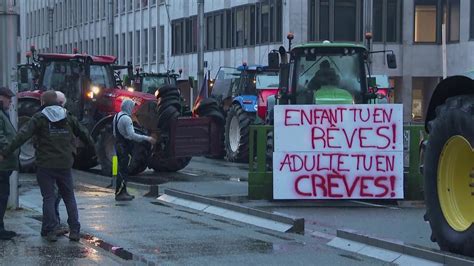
(449, 176)
(237, 128)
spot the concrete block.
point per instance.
(344, 244)
(410, 260)
(379, 253)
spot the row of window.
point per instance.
(341, 20)
(128, 5)
(430, 15)
(132, 43)
(69, 13)
(247, 25)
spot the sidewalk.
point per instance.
(29, 248)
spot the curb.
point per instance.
(296, 224)
(105, 182)
(406, 249)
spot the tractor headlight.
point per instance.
(130, 89)
(95, 90)
(156, 93)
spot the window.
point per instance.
(98, 3)
(116, 7)
(239, 27)
(145, 46)
(219, 31)
(335, 20)
(91, 6)
(104, 46)
(144, 3)
(386, 23)
(162, 44)
(123, 5)
(137, 46)
(123, 55)
(137, 4)
(86, 10)
(92, 47)
(86, 47)
(79, 12)
(425, 21)
(153, 2)
(97, 48)
(471, 28)
(453, 20)
(153, 44)
(209, 32)
(115, 44)
(177, 34)
(130, 5)
(130, 46)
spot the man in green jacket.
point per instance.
(10, 163)
(54, 130)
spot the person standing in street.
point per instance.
(10, 163)
(125, 137)
(53, 128)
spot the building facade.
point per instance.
(161, 35)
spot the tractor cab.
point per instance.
(151, 82)
(328, 74)
(81, 78)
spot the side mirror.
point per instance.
(24, 75)
(391, 61)
(273, 60)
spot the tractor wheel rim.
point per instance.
(234, 134)
(455, 182)
(27, 151)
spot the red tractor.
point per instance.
(94, 94)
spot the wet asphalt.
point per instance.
(157, 234)
(146, 232)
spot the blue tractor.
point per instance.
(241, 93)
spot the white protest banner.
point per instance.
(338, 152)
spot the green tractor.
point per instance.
(448, 164)
(325, 73)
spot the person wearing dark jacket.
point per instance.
(10, 163)
(125, 137)
(54, 129)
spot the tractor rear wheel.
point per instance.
(105, 147)
(26, 109)
(237, 129)
(449, 176)
(168, 109)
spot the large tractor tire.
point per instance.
(105, 149)
(449, 176)
(210, 108)
(269, 151)
(237, 129)
(168, 109)
(26, 109)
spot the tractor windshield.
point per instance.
(151, 83)
(334, 77)
(267, 80)
(59, 75)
